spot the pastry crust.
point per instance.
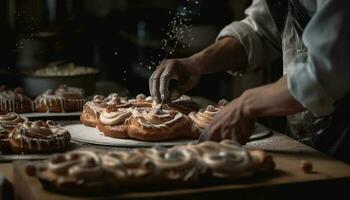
(38, 137)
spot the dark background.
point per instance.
(121, 38)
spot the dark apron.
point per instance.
(329, 134)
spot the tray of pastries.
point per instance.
(61, 101)
(90, 172)
(138, 122)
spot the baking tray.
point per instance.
(91, 135)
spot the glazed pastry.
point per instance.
(82, 172)
(158, 124)
(203, 118)
(142, 100)
(184, 104)
(38, 137)
(8, 121)
(14, 100)
(75, 97)
(50, 102)
(112, 121)
(92, 110)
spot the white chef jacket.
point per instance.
(318, 76)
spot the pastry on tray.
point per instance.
(62, 99)
(75, 97)
(38, 137)
(15, 100)
(50, 102)
(91, 172)
(113, 120)
(8, 121)
(203, 118)
(141, 100)
(92, 109)
(155, 124)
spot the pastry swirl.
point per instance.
(203, 118)
(141, 100)
(9, 120)
(183, 164)
(112, 121)
(93, 109)
(158, 124)
(38, 136)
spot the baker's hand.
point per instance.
(185, 71)
(230, 123)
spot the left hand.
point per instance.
(230, 123)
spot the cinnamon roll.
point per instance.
(38, 137)
(50, 102)
(158, 124)
(183, 104)
(8, 121)
(14, 100)
(112, 121)
(139, 168)
(92, 110)
(74, 172)
(142, 100)
(75, 97)
(203, 118)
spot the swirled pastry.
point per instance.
(183, 104)
(8, 121)
(91, 171)
(141, 100)
(203, 118)
(50, 102)
(38, 137)
(158, 124)
(112, 121)
(14, 100)
(75, 97)
(92, 109)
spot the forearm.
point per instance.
(225, 54)
(270, 100)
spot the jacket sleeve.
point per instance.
(258, 35)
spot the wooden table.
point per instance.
(288, 181)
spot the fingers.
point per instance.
(154, 83)
(165, 80)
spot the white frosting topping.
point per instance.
(115, 117)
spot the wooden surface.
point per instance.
(288, 179)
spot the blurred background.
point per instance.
(124, 40)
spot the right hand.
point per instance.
(186, 71)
